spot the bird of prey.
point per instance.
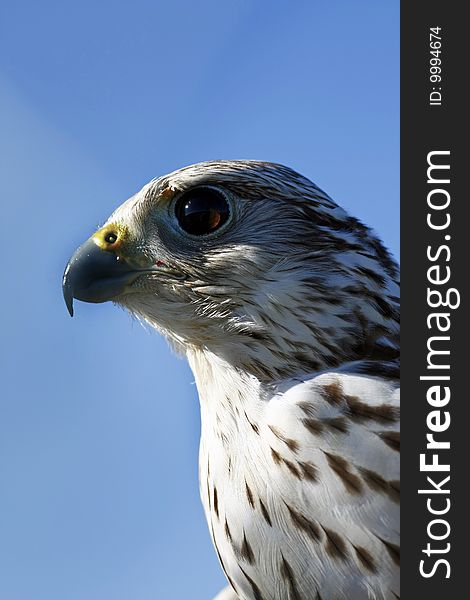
(287, 310)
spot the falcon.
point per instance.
(287, 310)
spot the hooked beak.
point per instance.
(95, 275)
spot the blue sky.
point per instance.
(99, 422)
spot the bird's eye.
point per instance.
(202, 210)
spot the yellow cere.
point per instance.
(110, 237)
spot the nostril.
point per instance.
(110, 237)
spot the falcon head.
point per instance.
(249, 261)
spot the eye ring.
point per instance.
(202, 211)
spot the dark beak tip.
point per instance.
(68, 293)
(69, 303)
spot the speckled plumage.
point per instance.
(289, 319)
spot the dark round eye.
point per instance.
(202, 210)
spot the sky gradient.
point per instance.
(99, 422)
